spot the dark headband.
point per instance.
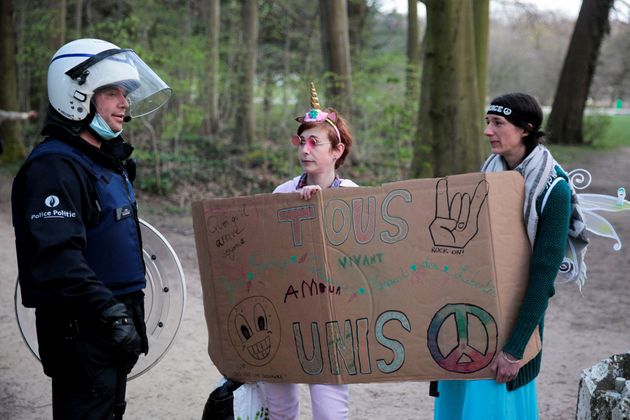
(510, 115)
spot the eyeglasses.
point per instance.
(311, 141)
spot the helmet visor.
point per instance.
(151, 92)
(145, 90)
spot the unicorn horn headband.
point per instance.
(314, 98)
(315, 114)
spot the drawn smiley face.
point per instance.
(254, 329)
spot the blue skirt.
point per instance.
(485, 399)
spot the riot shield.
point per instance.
(164, 301)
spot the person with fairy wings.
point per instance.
(553, 217)
(323, 141)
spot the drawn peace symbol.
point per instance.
(463, 357)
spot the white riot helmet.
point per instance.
(81, 67)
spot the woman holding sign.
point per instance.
(513, 129)
(323, 141)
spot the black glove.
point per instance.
(220, 403)
(122, 329)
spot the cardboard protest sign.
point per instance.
(414, 280)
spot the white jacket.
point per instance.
(291, 185)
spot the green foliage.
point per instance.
(606, 131)
(617, 133)
(177, 155)
(174, 151)
(594, 128)
(34, 55)
(613, 131)
(383, 125)
(217, 167)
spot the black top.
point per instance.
(50, 252)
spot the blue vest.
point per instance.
(114, 246)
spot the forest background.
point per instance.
(240, 71)
(414, 85)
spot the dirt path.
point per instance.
(579, 331)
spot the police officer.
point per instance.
(77, 234)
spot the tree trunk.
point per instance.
(565, 121)
(55, 41)
(60, 36)
(10, 131)
(413, 52)
(214, 22)
(422, 159)
(336, 53)
(448, 124)
(268, 90)
(78, 18)
(481, 15)
(357, 14)
(155, 149)
(89, 19)
(24, 73)
(286, 70)
(245, 130)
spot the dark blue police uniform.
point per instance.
(79, 253)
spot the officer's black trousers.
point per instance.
(87, 398)
(77, 354)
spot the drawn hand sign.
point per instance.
(463, 357)
(456, 219)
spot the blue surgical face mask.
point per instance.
(99, 125)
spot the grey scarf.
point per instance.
(538, 170)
